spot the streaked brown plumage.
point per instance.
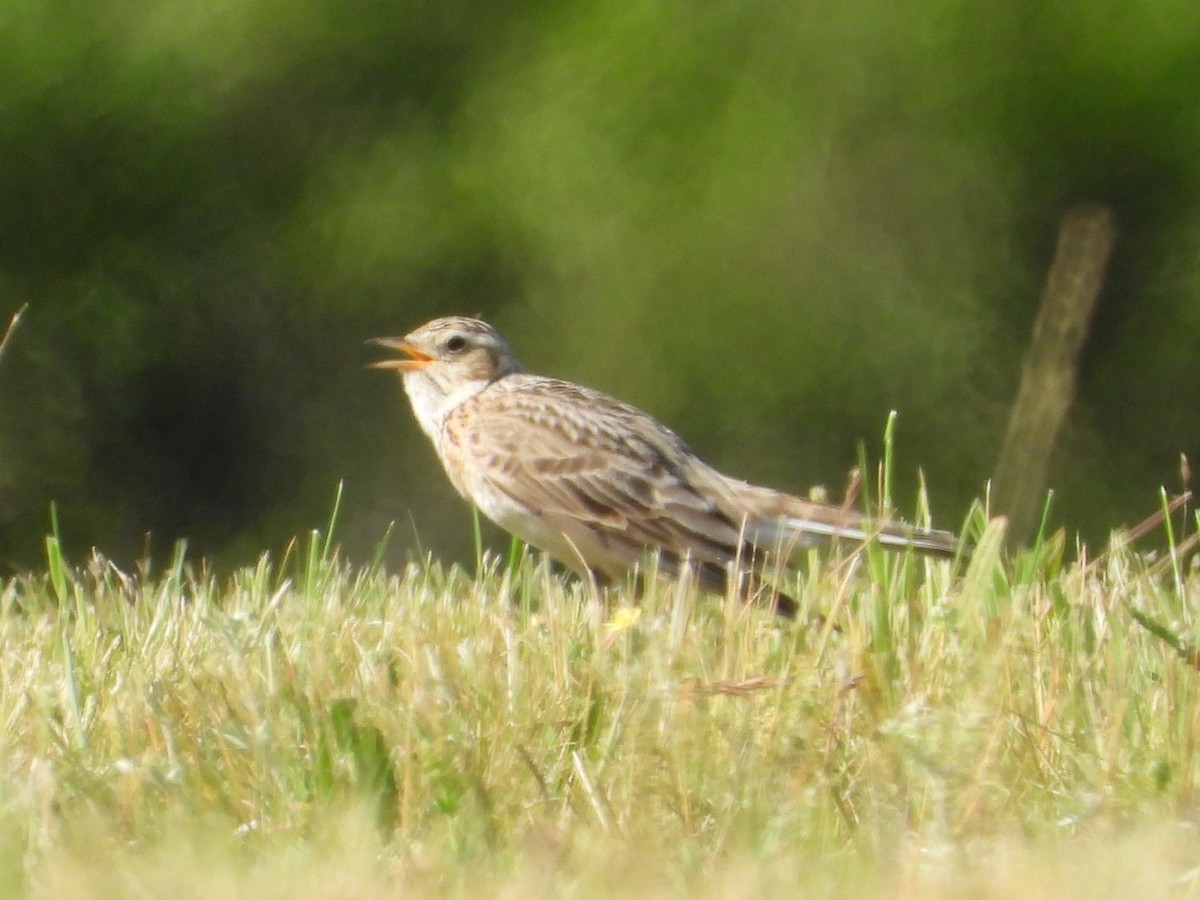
(597, 483)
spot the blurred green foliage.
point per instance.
(768, 223)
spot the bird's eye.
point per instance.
(455, 344)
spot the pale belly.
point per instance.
(581, 550)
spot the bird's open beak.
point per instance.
(412, 360)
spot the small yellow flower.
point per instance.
(624, 619)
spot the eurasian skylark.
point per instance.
(598, 484)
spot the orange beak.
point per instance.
(412, 360)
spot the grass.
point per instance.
(1011, 726)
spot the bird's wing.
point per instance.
(590, 465)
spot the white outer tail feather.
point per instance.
(795, 534)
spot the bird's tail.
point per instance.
(778, 520)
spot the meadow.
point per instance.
(1010, 724)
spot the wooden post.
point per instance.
(1048, 377)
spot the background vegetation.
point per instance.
(769, 223)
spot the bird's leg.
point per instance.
(753, 589)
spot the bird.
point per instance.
(600, 485)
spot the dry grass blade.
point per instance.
(732, 688)
(12, 327)
(1155, 520)
(1181, 552)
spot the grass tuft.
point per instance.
(1022, 725)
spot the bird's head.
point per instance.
(445, 362)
